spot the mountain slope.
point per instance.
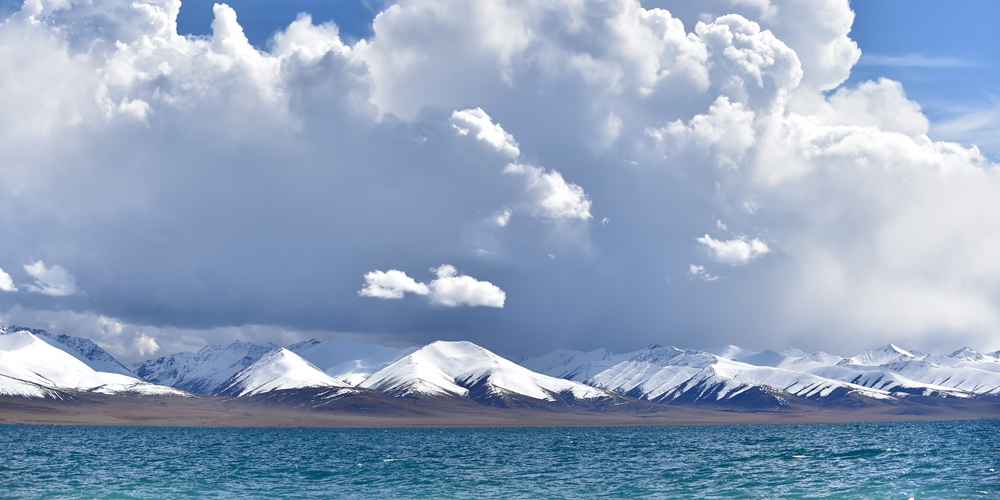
(28, 358)
(279, 369)
(574, 365)
(669, 374)
(203, 372)
(350, 362)
(80, 348)
(463, 369)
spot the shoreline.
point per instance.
(235, 413)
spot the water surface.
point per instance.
(954, 459)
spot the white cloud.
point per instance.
(726, 132)
(391, 284)
(882, 105)
(554, 197)
(166, 166)
(54, 281)
(145, 345)
(503, 218)
(736, 251)
(452, 290)
(6, 282)
(700, 273)
(491, 133)
(449, 289)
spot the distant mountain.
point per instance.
(669, 374)
(344, 374)
(574, 365)
(349, 362)
(30, 366)
(80, 348)
(278, 369)
(203, 372)
(464, 369)
(736, 377)
(882, 356)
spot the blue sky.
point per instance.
(527, 176)
(945, 54)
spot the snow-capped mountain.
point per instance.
(203, 372)
(14, 387)
(669, 374)
(349, 362)
(882, 356)
(34, 363)
(459, 369)
(80, 348)
(575, 365)
(733, 375)
(278, 369)
(29, 363)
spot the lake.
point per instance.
(949, 459)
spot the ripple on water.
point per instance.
(885, 460)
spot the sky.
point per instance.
(524, 175)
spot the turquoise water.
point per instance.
(957, 459)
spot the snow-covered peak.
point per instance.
(453, 368)
(967, 354)
(202, 372)
(278, 369)
(793, 359)
(768, 358)
(80, 348)
(574, 365)
(30, 359)
(882, 356)
(731, 352)
(347, 361)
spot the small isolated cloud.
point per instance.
(555, 198)
(700, 273)
(734, 252)
(6, 282)
(503, 218)
(449, 289)
(479, 122)
(54, 281)
(392, 284)
(452, 290)
(145, 345)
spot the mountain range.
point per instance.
(352, 376)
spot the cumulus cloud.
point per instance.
(6, 282)
(554, 197)
(449, 289)
(391, 284)
(700, 273)
(736, 251)
(726, 132)
(491, 133)
(54, 281)
(161, 168)
(145, 345)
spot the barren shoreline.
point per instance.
(205, 411)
